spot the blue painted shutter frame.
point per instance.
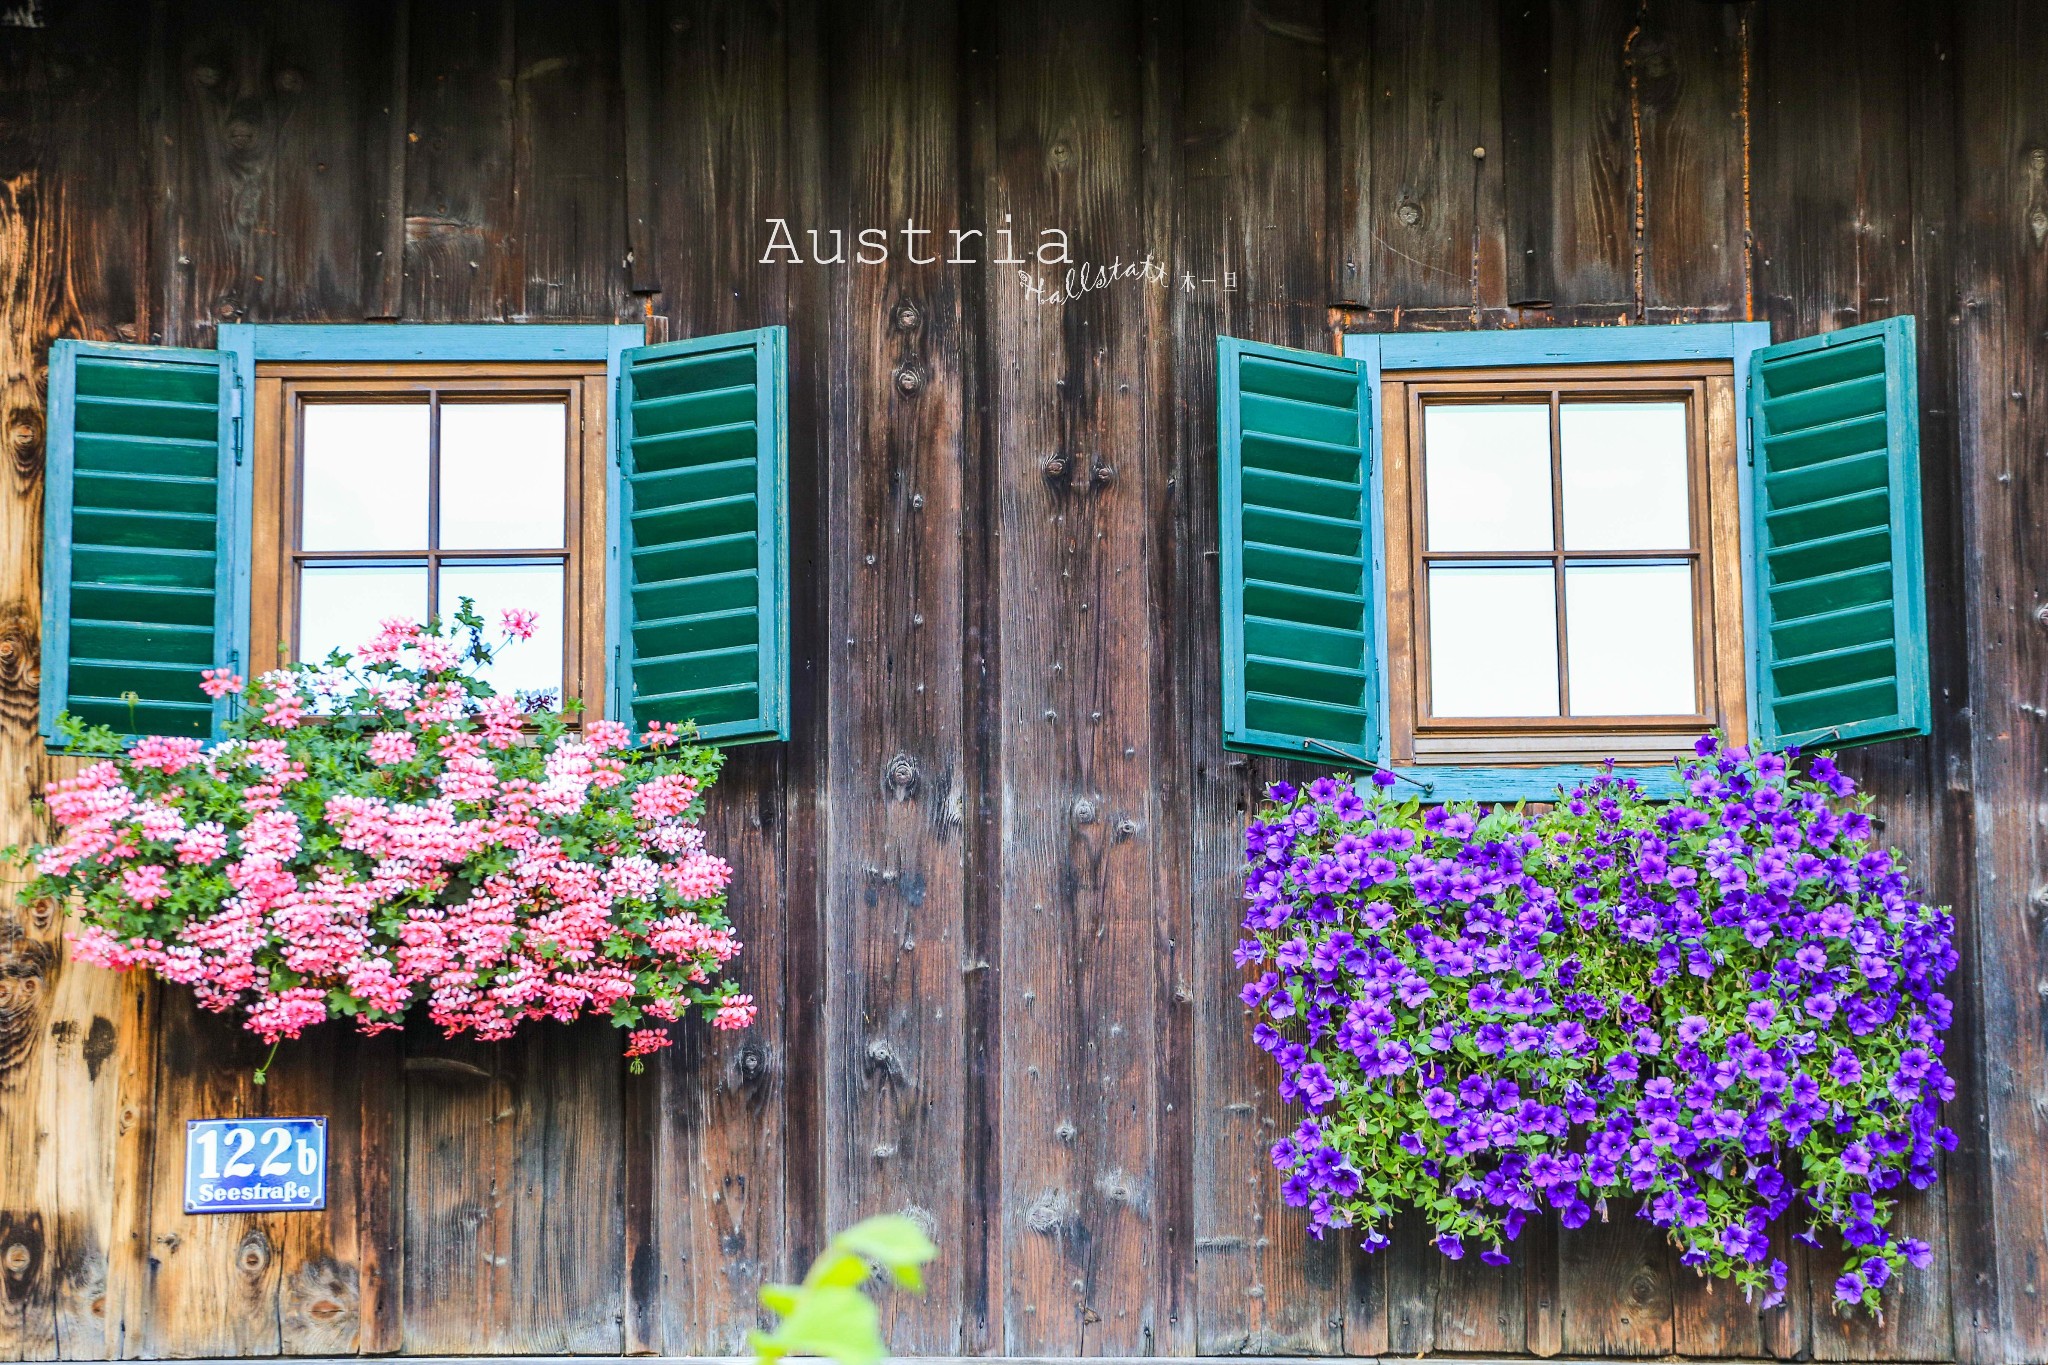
(1837, 577)
(702, 630)
(139, 536)
(1300, 661)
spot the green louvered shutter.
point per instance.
(1300, 664)
(1837, 577)
(702, 631)
(138, 555)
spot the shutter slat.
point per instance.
(138, 530)
(702, 634)
(1300, 668)
(1836, 574)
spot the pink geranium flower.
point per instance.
(386, 832)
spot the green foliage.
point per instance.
(830, 1314)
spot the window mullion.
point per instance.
(1564, 672)
(433, 503)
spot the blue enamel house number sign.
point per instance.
(255, 1165)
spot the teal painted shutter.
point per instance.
(1300, 663)
(138, 536)
(1837, 577)
(701, 627)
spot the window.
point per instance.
(1486, 561)
(399, 490)
(277, 496)
(1553, 538)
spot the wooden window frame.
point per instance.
(280, 392)
(1708, 389)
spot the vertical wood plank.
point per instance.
(895, 1122)
(463, 259)
(2001, 299)
(1567, 169)
(1181, 650)
(1072, 440)
(1419, 148)
(717, 117)
(75, 1046)
(568, 138)
(275, 127)
(1840, 230)
(1616, 1287)
(514, 1193)
(1685, 76)
(1253, 167)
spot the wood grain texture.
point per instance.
(1253, 114)
(962, 952)
(75, 1045)
(1841, 223)
(514, 1193)
(462, 254)
(2001, 301)
(713, 1127)
(1684, 72)
(1566, 156)
(1417, 152)
(1071, 440)
(894, 1119)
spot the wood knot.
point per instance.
(1048, 1213)
(1083, 811)
(900, 778)
(882, 1058)
(1055, 468)
(291, 81)
(205, 75)
(907, 317)
(21, 1250)
(908, 380)
(752, 1063)
(25, 965)
(1062, 156)
(20, 651)
(252, 1257)
(1102, 476)
(1409, 212)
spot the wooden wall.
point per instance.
(989, 888)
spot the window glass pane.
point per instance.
(1629, 632)
(341, 606)
(1486, 475)
(363, 480)
(502, 475)
(1624, 476)
(523, 666)
(1492, 641)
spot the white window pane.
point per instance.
(1624, 476)
(523, 666)
(1486, 475)
(363, 480)
(1492, 641)
(1629, 632)
(502, 475)
(340, 607)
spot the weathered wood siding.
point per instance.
(989, 888)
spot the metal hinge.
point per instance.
(235, 412)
